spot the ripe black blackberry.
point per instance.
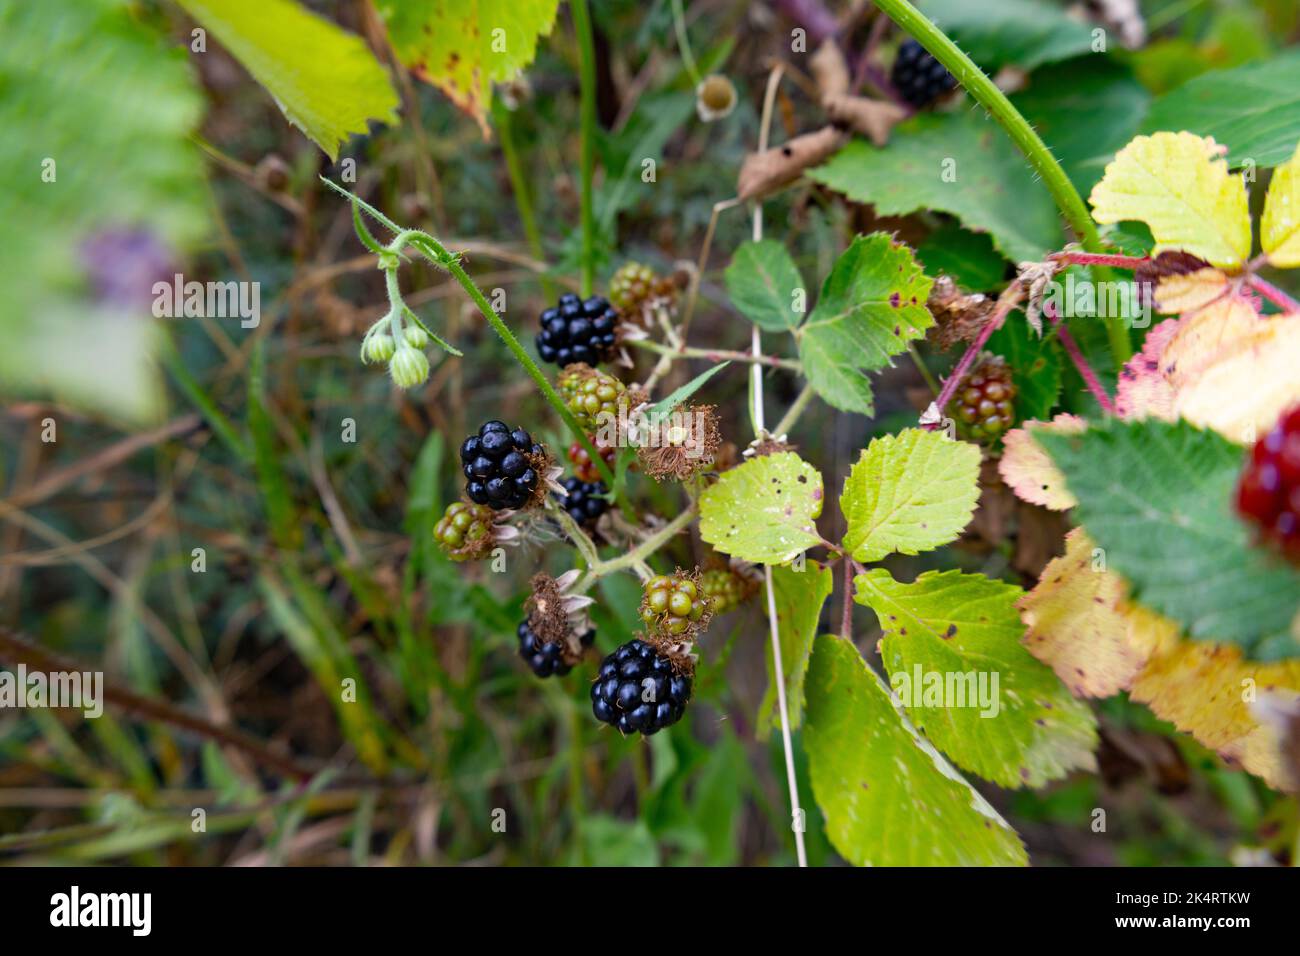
(577, 331)
(918, 76)
(501, 466)
(545, 659)
(585, 502)
(638, 689)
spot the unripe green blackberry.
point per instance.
(634, 285)
(589, 393)
(985, 403)
(675, 605)
(464, 531)
(726, 589)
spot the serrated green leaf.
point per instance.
(1021, 33)
(909, 493)
(104, 182)
(799, 597)
(959, 163)
(324, 79)
(764, 510)
(1157, 498)
(1254, 110)
(761, 283)
(1036, 365)
(889, 797)
(871, 305)
(953, 654)
(464, 46)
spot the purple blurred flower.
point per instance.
(123, 264)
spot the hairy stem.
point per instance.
(1273, 294)
(1044, 164)
(1076, 356)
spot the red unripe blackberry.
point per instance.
(584, 467)
(1268, 494)
(984, 405)
(918, 76)
(638, 689)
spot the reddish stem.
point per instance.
(1076, 355)
(1098, 259)
(846, 615)
(1006, 302)
(1273, 294)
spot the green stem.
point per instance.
(1022, 134)
(519, 184)
(438, 254)
(587, 120)
(647, 547)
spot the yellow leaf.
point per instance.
(1179, 185)
(1143, 390)
(1207, 690)
(1027, 469)
(1075, 623)
(1246, 387)
(1080, 624)
(1203, 338)
(1192, 290)
(1279, 229)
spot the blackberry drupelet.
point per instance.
(585, 502)
(591, 394)
(545, 659)
(725, 588)
(1268, 494)
(500, 466)
(985, 403)
(577, 331)
(638, 689)
(918, 76)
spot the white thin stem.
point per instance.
(778, 668)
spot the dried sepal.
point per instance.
(683, 447)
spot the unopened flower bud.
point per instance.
(377, 348)
(408, 367)
(416, 337)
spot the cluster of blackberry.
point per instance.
(636, 689)
(919, 77)
(546, 659)
(500, 466)
(585, 501)
(578, 331)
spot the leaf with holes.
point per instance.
(764, 510)
(953, 654)
(871, 306)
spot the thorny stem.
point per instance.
(1098, 259)
(587, 120)
(987, 94)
